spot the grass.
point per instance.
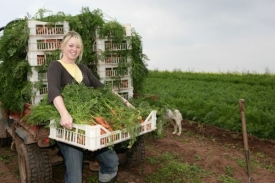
(229, 171)
(91, 180)
(197, 157)
(172, 169)
(227, 179)
(5, 158)
(254, 163)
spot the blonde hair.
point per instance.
(66, 38)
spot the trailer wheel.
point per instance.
(34, 164)
(136, 154)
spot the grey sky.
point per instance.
(197, 35)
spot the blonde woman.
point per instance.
(60, 73)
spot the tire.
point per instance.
(34, 164)
(136, 154)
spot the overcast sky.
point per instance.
(191, 35)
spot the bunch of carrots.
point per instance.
(91, 106)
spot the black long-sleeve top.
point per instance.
(59, 77)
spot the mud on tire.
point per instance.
(34, 164)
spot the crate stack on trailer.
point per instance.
(43, 39)
(108, 65)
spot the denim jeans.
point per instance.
(73, 158)
(108, 161)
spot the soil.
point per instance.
(215, 147)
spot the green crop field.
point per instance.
(214, 98)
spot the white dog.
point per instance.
(175, 118)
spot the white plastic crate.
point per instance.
(106, 71)
(90, 137)
(44, 28)
(36, 58)
(125, 83)
(108, 45)
(104, 44)
(112, 60)
(50, 43)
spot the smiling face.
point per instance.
(71, 48)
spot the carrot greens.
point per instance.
(86, 105)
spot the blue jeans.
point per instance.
(73, 158)
(108, 161)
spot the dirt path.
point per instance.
(8, 166)
(209, 147)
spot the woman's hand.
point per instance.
(66, 120)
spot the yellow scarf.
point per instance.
(74, 71)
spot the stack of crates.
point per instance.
(107, 67)
(43, 39)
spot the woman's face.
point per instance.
(71, 50)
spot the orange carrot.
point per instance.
(103, 122)
(142, 121)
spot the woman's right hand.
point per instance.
(66, 120)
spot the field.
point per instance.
(210, 148)
(214, 98)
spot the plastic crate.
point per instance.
(124, 84)
(90, 137)
(45, 28)
(105, 71)
(125, 88)
(36, 58)
(38, 43)
(116, 46)
(104, 44)
(111, 60)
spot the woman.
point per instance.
(60, 73)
